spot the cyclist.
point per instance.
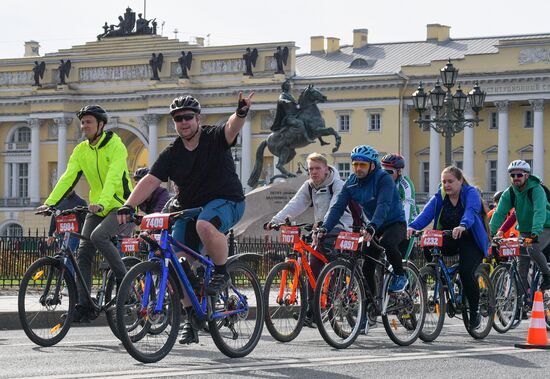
(393, 164)
(457, 206)
(157, 200)
(200, 163)
(376, 193)
(319, 192)
(508, 227)
(528, 197)
(102, 159)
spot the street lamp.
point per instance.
(300, 166)
(449, 109)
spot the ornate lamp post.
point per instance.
(449, 109)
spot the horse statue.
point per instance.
(306, 126)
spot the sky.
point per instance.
(60, 24)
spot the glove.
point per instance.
(533, 238)
(125, 210)
(370, 229)
(321, 233)
(268, 226)
(242, 109)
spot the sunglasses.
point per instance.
(360, 164)
(185, 116)
(390, 171)
(518, 175)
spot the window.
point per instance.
(459, 164)
(358, 63)
(12, 230)
(530, 161)
(492, 182)
(344, 168)
(528, 120)
(343, 123)
(374, 122)
(425, 176)
(493, 120)
(18, 180)
(20, 139)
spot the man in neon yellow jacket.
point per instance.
(102, 160)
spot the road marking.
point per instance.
(236, 367)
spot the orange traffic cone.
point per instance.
(536, 335)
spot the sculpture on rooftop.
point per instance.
(38, 71)
(156, 65)
(64, 70)
(126, 24)
(296, 124)
(250, 58)
(185, 64)
(281, 58)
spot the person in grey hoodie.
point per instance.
(319, 192)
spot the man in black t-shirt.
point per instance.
(200, 163)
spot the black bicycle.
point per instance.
(48, 294)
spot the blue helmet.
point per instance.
(364, 153)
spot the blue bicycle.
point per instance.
(149, 307)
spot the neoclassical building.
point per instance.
(368, 88)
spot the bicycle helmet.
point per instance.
(93, 110)
(393, 160)
(141, 172)
(519, 165)
(184, 103)
(497, 196)
(364, 153)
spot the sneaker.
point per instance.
(217, 284)
(399, 283)
(545, 284)
(82, 314)
(189, 334)
(475, 320)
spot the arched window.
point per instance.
(20, 139)
(12, 230)
(359, 63)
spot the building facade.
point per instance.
(368, 89)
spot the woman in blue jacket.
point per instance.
(457, 206)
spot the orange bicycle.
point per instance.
(285, 290)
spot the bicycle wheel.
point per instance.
(47, 292)
(436, 305)
(339, 304)
(405, 311)
(284, 316)
(135, 323)
(110, 293)
(486, 307)
(506, 299)
(236, 335)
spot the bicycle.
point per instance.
(513, 299)
(342, 301)
(285, 289)
(48, 294)
(445, 292)
(149, 308)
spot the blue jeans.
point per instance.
(223, 214)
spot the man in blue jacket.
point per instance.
(375, 190)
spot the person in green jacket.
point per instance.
(527, 195)
(102, 159)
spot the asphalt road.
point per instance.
(93, 352)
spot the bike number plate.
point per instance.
(509, 248)
(155, 221)
(432, 238)
(66, 223)
(129, 245)
(290, 234)
(347, 241)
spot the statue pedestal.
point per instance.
(264, 202)
(279, 77)
(184, 82)
(62, 87)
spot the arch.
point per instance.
(8, 227)
(359, 63)
(13, 131)
(134, 139)
(132, 129)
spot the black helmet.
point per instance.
(184, 103)
(93, 110)
(497, 196)
(141, 172)
(393, 160)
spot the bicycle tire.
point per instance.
(436, 305)
(284, 320)
(406, 310)
(486, 305)
(339, 305)
(224, 330)
(506, 299)
(45, 325)
(132, 321)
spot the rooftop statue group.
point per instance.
(126, 24)
(251, 56)
(39, 68)
(296, 124)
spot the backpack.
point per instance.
(354, 207)
(529, 194)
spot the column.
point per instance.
(246, 150)
(435, 160)
(405, 138)
(7, 189)
(502, 156)
(62, 124)
(538, 138)
(34, 172)
(468, 150)
(151, 121)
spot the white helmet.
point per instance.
(519, 165)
